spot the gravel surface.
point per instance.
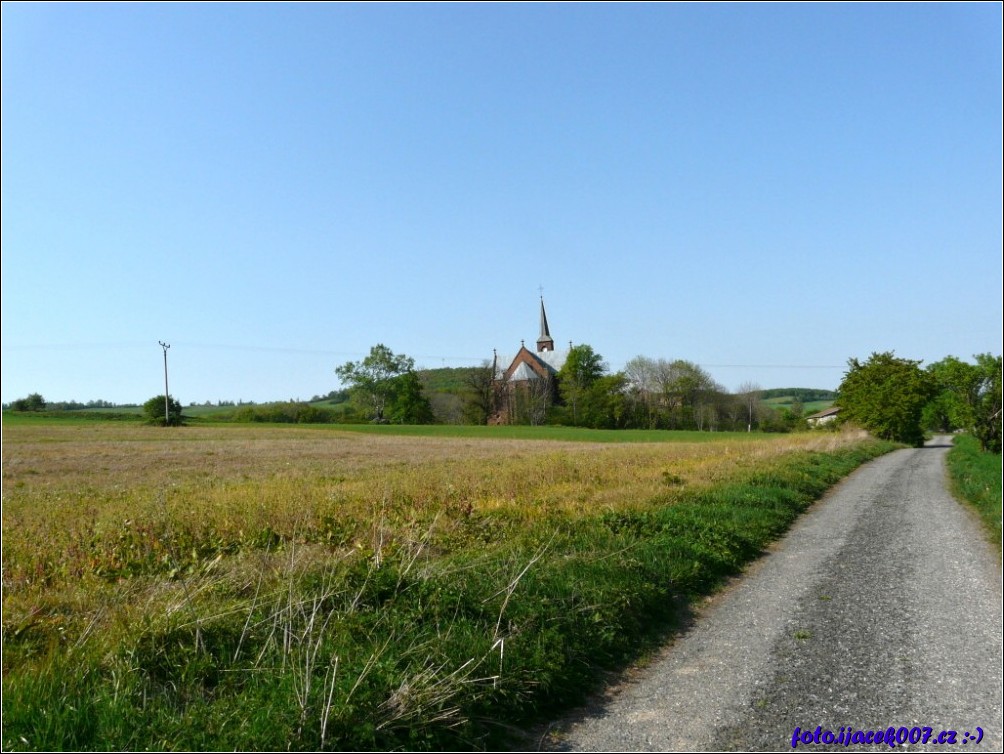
(881, 607)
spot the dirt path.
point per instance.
(882, 607)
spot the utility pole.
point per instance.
(167, 412)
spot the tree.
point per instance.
(408, 404)
(987, 411)
(686, 387)
(531, 400)
(605, 405)
(484, 394)
(34, 402)
(582, 367)
(153, 410)
(376, 382)
(886, 395)
(953, 405)
(673, 394)
(749, 394)
(968, 397)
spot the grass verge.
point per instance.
(976, 479)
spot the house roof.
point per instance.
(831, 411)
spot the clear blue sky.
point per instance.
(765, 190)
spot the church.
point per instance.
(525, 382)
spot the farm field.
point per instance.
(808, 407)
(266, 587)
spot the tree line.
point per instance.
(897, 399)
(35, 402)
(647, 394)
(894, 398)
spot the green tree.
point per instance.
(376, 382)
(33, 402)
(582, 367)
(957, 393)
(987, 409)
(968, 397)
(153, 410)
(886, 395)
(407, 403)
(604, 404)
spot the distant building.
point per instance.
(823, 417)
(526, 380)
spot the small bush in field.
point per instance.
(154, 410)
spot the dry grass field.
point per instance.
(118, 538)
(74, 494)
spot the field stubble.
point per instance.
(371, 591)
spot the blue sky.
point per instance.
(765, 190)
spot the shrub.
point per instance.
(153, 410)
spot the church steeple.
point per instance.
(544, 342)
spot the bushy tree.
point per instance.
(604, 405)
(582, 368)
(957, 392)
(153, 410)
(33, 402)
(987, 412)
(408, 404)
(387, 384)
(886, 395)
(968, 396)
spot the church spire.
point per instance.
(544, 342)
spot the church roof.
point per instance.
(519, 367)
(555, 360)
(523, 372)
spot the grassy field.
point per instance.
(262, 587)
(808, 407)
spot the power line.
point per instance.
(353, 354)
(773, 366)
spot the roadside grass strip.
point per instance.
(976, 479)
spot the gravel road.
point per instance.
(881, 607)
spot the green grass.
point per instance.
(562, 434)
(976, 478)
(86, 416)
(565, 434)
(808, 408)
